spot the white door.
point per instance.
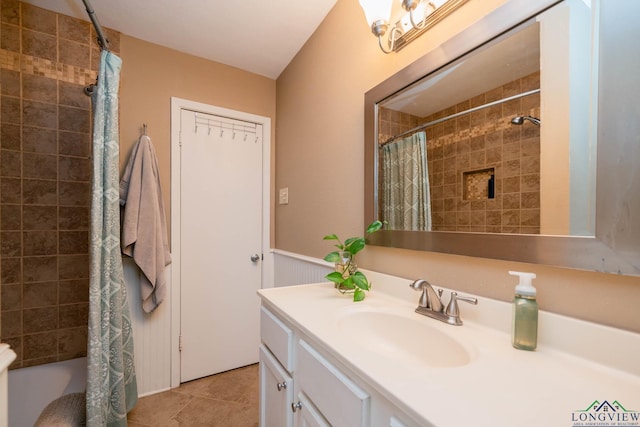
(220, 244)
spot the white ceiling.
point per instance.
(254, 35)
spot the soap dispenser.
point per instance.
(525, 313)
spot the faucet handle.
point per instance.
(453, 310)
(470, 300)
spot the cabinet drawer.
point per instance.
(339, 399)
(278, 337)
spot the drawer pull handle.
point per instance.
(296, 406)
(281, 385)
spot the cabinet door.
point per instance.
(308, 415)
(394, 422)
(276, 392)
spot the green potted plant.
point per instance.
(347, 278)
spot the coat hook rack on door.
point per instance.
(235, 127)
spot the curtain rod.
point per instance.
(103, 41)
(461, 113)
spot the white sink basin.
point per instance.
(404, 338)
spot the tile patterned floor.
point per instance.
(229, 399)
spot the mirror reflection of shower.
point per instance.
(519, 120)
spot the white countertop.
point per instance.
(500, 386)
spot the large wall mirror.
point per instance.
(513, 140)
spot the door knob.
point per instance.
(255, 258)
(296, 406)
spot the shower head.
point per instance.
(518, 120)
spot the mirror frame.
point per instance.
(615, 248)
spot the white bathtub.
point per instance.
(6, 357)
(31, 389)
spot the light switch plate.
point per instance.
(284, 196)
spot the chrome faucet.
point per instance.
(428, 299)
(430, 303)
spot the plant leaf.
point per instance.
(374, 226)
(348, 283)
(330, 237)
(354, 245)
(335, 277)
(360, 280)
(350, 240)
(358, 295)
(333, 257)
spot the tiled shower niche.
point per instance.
(46, 59)
(479, 184)
(481, 141)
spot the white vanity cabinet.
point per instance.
(302, 386)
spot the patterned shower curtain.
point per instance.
(111, 380)
(405, 194)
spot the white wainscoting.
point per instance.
(294, 269)
(151, 334)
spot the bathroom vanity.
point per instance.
(325, 360)
(303, 384)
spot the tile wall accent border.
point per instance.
(43, 67)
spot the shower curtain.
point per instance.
(111, 380)
(406, 202)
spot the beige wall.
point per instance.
(152, 74)
(320, 159)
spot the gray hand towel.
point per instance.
(144, 229)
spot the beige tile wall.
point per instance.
(45, 168)
(473, 143)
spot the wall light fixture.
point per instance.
(419, 16)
